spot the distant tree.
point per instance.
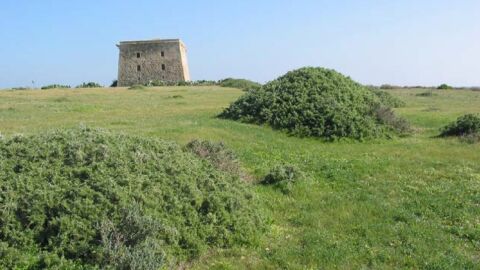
(444, 87)
(114, 83)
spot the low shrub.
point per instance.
(313, 102)
(426, 94)
(242, 84)
(90, 199)
(217, 154)
(388, 99)
(471, 138)
(114, 83)
(389, 87)
(20, 88)
(386, 116)
(89, 85)
(53, 86)
(444, 87)
(466, 125)
(282, 177)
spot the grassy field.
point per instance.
(411, 202)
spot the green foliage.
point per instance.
(313, 102)
(242, 84)
(131, 243)
(86, 198)
(466, 125)
(114, 83)
(426, 94)
(388, 99)
(389, 87)
(53, 86)
(444, 87)
(89, 85)
(282, 177)
(386, 116)
(417, 196)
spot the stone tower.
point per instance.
(152, 60)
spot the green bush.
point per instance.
(114, 83)
(313, 102)
(53, 86)
(426, 94)
(89, 85)
(466, 125)
(389, 87)
(388, 99)
(242, 84)
(444, 87)
(282, 177)
(386, 116)
(85, 198)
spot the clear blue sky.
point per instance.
(403, 42)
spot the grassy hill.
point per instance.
(406, 203)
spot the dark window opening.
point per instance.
(163, 66)
(139, 68)
(138, 55)
(163, 53)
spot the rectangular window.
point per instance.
(163, 54)
(163, 66)
(138, 55)
(139, 68)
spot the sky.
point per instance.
(402, 42)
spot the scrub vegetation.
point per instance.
(404, 203)
(317, 102)
(85, 198)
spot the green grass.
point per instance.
(411, 202)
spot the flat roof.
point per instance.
(132, 42)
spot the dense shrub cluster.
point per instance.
(466, 125)
(239, 83)
(53, 86)
(90, 85)
(444, 87)
(85, 198)
(388, 99)
(313, 102)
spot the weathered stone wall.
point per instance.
(153, 60)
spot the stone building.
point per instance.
(141, 62)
